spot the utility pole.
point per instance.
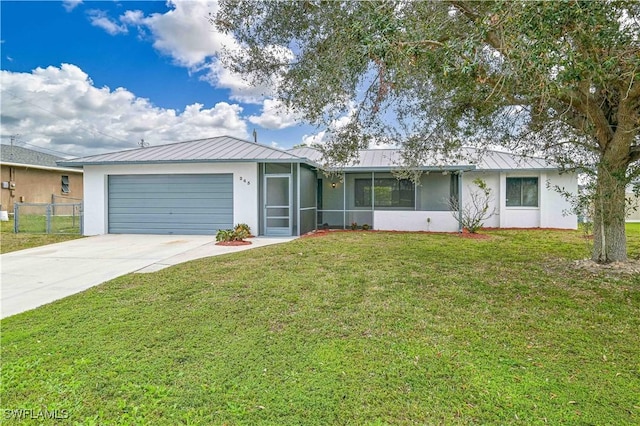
(13, 140)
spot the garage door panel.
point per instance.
(163, 210)
(133, 188)
(186, 196)
(160, 231)
(185, 219)
(170, 204)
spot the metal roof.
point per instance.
(470, 158)
(229, 149)
(218, 149)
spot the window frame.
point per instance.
(65, 185)
(521, 199)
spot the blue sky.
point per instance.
(85, 77)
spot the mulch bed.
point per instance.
(233, 243)
(465, 234)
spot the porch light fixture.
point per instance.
(333, 185)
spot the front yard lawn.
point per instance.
(352, 328)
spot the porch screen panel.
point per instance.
(307, 188)
(359, 187)
(434, 192)
(391, 193)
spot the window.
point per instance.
(65, 184)
(522, 192)
(388, 192)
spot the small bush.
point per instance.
(477, 210)
(354, 226)
(243, 227)
(238, 233)
(224, 235)
(365, 227)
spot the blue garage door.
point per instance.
(170, 204)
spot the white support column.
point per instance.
(502, 198)
(344, 200)
(543, 219)
(460, 201)
(297, 203)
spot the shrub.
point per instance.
(365, 227)
(243, 227)
(238, 233)
(241, 231)
(224, 235)
(354, 226)
(477, 210)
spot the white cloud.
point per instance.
(132, 17)
(69, 5)
(185, 34)
(241, 91)
(314, 139)
(100, 19)
(61, 109)
(321, 137)
(274, 116)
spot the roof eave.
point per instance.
(396, 168)
(191, 161)
(36, 166)
(520, 169)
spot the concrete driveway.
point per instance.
(34, 277)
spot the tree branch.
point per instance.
(492, 37)
(590, 109)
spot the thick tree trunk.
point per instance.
(610, 239)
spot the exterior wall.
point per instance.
(34, 185)
(634, 214)
(245, 189)
(400, 220)
(552, 210)
(493, 181)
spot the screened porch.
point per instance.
(380, 200)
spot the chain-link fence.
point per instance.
(48, 218)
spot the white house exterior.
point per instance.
(633, 214)
(210, 184)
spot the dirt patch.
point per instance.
(630, 267)
(233, 243)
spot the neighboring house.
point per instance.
(29, 176)
(634, 208)
(198, 187)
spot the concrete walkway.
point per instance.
(34, 277)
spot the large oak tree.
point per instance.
(557, 79)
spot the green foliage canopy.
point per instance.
(554, 79)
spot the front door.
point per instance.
(277, 205)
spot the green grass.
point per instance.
(9, 241)
(32, 223)
(352, 328)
